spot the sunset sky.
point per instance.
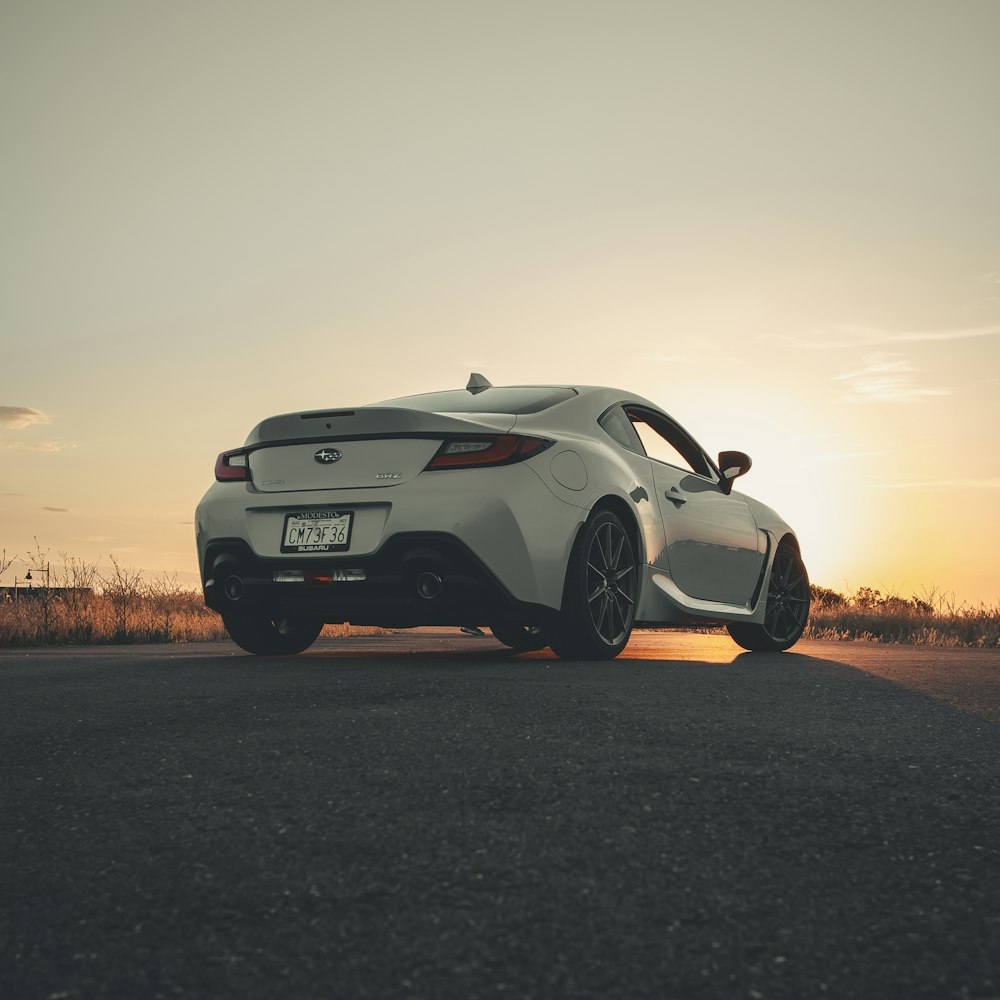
(779, 220)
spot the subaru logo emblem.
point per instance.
(327, 456)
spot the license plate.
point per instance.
(317, 531)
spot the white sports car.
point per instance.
(559, 516)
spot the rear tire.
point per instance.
(787, 607)
(602, 587)
(270, 634)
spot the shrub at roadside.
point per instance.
(934, 620)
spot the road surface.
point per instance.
(425, 815)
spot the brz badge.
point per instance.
(327, 456)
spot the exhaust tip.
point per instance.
(234, 587)
(429, 585)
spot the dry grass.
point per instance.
(933, 620)
(87, 605)
(96, 619)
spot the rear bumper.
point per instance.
(497, 538)
(414, 579)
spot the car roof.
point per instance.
(602, 391)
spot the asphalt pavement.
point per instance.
(426, 815)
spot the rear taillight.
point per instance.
(232, 465)
(502, 449)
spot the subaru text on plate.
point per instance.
(559, 516)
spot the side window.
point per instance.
(666, 443)
(620, 428)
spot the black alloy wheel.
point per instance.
(787, 608)
(270, 634)
(602, 587)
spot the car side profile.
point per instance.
(556, 515)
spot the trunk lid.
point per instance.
(354, 449)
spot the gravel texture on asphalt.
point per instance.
(425, 815)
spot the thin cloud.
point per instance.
(847, 456)
(887, 378)
(878, 365)
(56, 510)
(39, 445)
(842, 337)
(668, 359)
(962, 333)
(17, 417)
(937, 484)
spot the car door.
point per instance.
(712, 551)
(632, 457)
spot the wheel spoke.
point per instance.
(597, 593)
(604, 615)
(790, 623)
(619, 632)
(612, 627)
(597, 554)
(617, 553)
(774, 629)
(606, 546)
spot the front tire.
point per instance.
(271, 634)
(602, 587)
(787, 607)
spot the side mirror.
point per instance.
(732, 464)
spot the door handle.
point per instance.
(675, 496)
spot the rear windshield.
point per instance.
(513, 399)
